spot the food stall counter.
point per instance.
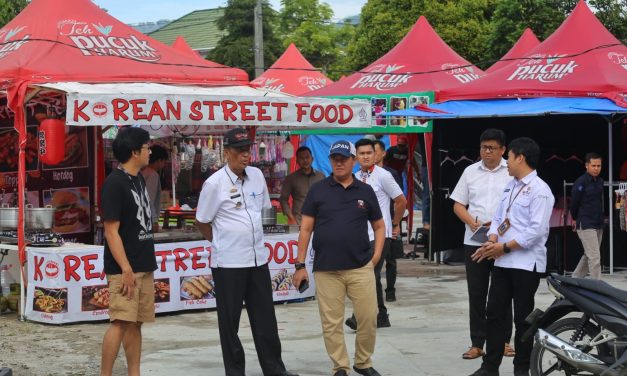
(66, 284)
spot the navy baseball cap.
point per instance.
(344, 148)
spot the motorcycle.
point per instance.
(584, 331)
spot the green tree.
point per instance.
(613, 14)
(308, 24)
(9, 9)
(512, 17)
(236, 48)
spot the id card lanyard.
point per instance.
(503, 227)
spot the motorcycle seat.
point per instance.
(598, 286)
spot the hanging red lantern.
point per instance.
(52, 141)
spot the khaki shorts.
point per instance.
(141, 308)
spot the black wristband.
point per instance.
(299, 265)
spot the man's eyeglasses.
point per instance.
(489, 148)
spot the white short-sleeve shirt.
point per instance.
(481, 189)
(237, 228)
(386, 189)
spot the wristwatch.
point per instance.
(506, 249)
(299, 265)
(396, 224)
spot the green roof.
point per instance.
(199, 29)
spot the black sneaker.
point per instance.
(351, 322)
(390, 296)
(340, 373)
(383, 321)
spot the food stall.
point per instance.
(94, 71)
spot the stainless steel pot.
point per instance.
(268, 216)
(39, 218)
(8, 217)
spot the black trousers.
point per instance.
(377, 275)
(478, 281)
(507, 285)
(234, 286)
(390, 268)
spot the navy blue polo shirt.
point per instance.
(340, 237)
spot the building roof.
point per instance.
(199, 28)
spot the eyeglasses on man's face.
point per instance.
(489, 148)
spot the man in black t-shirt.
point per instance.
(129, 253)
(337, 211)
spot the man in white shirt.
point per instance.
(229, 216)
(386, 189)
(517, 238)
(477, 195)
(158, 158)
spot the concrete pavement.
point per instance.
(428, 335)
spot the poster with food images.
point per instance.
(72, 209)
(10, 147)
(68, 284)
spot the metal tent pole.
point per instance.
(610, 193)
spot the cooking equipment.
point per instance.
(268, 216)
(8, 217)
(33, 238)
(39, 218)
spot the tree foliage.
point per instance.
(9, 9)
(308, 24)
(236, 48)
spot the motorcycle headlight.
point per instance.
(554, 291)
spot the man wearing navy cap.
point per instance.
(229, 216)
(337, 211)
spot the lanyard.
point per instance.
(140, 191)
(511, 201)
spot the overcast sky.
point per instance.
(135, 11)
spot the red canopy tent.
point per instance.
(580, 59)
(524, 44)
(291, 73)
(181, 46)
(421, 61)
(78, 41)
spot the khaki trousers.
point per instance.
(591, 259)
(332, 287)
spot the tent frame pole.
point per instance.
(610, 188)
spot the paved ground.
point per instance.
(428, 334)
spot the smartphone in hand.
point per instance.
(304, 285)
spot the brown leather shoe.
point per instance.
(473, 353)
(509, 351)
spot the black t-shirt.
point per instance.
(124, 199)
(340, 238)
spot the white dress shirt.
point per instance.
(386, 189)
(480, 189)
(529, 219)
(237, 230)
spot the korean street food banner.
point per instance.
(67, 284)
(153, 109)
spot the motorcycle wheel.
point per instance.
(544, 362)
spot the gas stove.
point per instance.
(274, 229)
(33, 238)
